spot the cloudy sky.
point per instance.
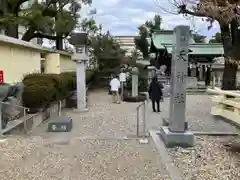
(122, 17)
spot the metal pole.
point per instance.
(137, 122)
(122, 86)
(144, 117)
(59, 108)
(24, 123)
(1, 120)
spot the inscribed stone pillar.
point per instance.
(81, 86)
(178, 79)
(134, 82)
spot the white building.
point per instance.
(126, 43)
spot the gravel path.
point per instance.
(103, 119)
(83, 153)
(36, 159)
(209, 159)
(96, 149)
(198, 116)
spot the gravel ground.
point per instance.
(36, 159)
(198, 115)
(103, 119)
(83, 153)
(76, 155)
(209, 159)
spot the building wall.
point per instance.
(57, 63)
(67, 64)
(126, 43)
(52, 63)
(16, 61)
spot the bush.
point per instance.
(142, 84)
(139, 98)
(42, 89)
(39, 95)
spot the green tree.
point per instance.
(145, 31)
(107, 51)
(51, 19)
(141, 41)
(226, 14)
(104, 48)
(199, 38)
(216, 39)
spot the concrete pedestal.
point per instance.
(80, 110)
(172, 139)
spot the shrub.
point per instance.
(139, 98)
(39, 95)
(142, 84)
(42, 89)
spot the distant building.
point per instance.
(126, 43)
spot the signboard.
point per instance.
(1, 77)
(122, 77)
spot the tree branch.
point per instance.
(184, 10)
(47, 36)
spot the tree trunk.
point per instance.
(230, 68)
(11, 30)
(229, 76)
(59, 43)
(29, 34)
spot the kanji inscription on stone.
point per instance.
(179, 74)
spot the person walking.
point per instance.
(155, 93)
(114, 87)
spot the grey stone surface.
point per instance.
(60, 124)
(13, 98)
(172, 139)
(178, 79)
(135, 81)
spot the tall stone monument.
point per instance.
(80, 41)
(135, 82)
(176, 133)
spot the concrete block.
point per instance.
(165, 122)
(60, 124)
(172, 139)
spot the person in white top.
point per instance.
(115, 86)
(122, 78)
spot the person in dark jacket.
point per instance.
(155, 93)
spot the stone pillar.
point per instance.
(179, 75)
(151, 73)
(213, 79)
(176, 134)
(201, 72)
(134, 82)
(81, 86)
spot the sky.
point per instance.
(122, 17)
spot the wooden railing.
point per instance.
(226, 104)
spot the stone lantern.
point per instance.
(80, 42)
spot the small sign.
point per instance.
(1, 77)
(122, 77)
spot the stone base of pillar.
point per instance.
(80, 110)
(172, 139)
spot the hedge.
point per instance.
(142, 84)
(42, 89)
